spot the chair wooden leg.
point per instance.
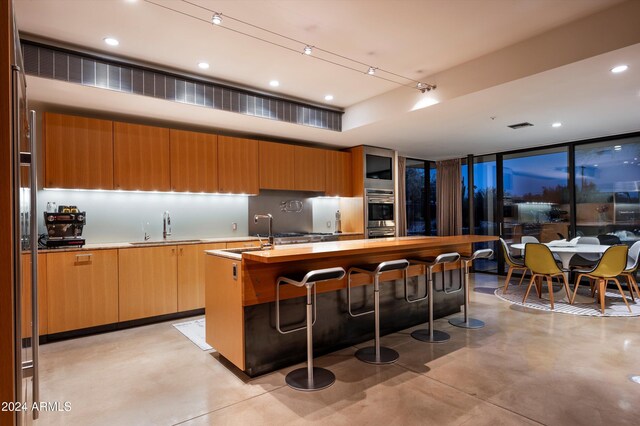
(533, 279)
(633, 286)
(602, 289)
(539, 286)
(524, 274)
(550, 285)
(592, 284)
(624, 298)
(566, 286)
(575, 289)
(506, 282)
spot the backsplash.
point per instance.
(116, 216)
(119, 216)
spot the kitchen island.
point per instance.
(240, 293)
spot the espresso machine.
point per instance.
(64, 227)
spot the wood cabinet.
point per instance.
(238, 165)
(194, 161)
(147, 282)
(191, 274)
(338, 174)
(82, 289)
(78, 152)
(276, 165)
(141, 157)
(26, 295)
(310, 173)
(224, 308)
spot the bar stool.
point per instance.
(467, 322)
(310, 378)
(430, 335)
(375, 354)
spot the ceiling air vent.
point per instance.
(520, 125)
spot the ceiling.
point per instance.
(425, 40)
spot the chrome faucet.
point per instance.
(166, 225)
(271, 243)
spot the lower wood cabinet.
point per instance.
(82, 289)
(148, 282)
(191, 274)
(26, 295)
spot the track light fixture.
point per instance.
(326, 56)
(217, 18)
(424, 87)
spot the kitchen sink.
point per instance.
(168, 242)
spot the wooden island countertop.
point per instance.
(297, 252)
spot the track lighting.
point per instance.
(217, 19)
(424, 87)
(307, 50)
(371, 71)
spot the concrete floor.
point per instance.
(524, 367)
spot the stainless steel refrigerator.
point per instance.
(25, 236)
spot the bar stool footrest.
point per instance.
(368, 355)
(438, 336)
(471, 323)
(298, 379)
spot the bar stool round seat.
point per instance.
(465, 321)
(375, 354)
(309, 378)
(430, 335)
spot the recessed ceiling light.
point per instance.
(619, 69)
(371, 71)
(111, 41)
(595, 165)
(328, 98)
(635, 379)
(203, 65)
(217, 18)
(626, 162)
(307, 50)
(274, 83)
(557, 124)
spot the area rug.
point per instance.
(194, 331)
(584, 305)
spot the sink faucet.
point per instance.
(269, 245)
(166, 225)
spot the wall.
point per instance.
(118, 216)
(324, 210)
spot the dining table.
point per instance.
(565, 252)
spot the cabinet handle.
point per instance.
(181, 251)
(173, 251)
(86, 256)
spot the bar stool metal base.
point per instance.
(299, 379)
(368, 354)
(438, 336)
(470, 323)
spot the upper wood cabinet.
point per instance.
(277, 165)
(338, 169)
(147, 282)
(78, 152)
(141, 157)
(82, 289)
(310, 169)
(238, 165)
(194, 161)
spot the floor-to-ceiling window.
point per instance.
(416, 195)
(536, 199)
(420, 187)
(608, 188)
(485, 199)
